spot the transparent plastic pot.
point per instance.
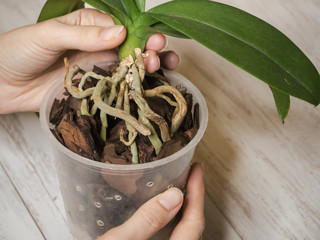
(99, 196)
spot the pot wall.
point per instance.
(98, 196)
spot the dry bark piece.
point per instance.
(161, 107)
(115, 131)
(145, 149)
(125, 184)
(188, 121)
(74, 104)
(58, 110)
(106, 72)
(77, 135)
(57, 136)
(153, 81)
(92, 124)
(100, 71)
(172, 146)
(110, 155)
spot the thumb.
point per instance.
(149, 218)
(59, 36)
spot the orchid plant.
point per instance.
(243, 39)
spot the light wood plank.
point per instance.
(41, 156)
(14, 215)
(263, 176)
(217, 227)
(17, 163)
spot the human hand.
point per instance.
(32, 56)
(157, 212)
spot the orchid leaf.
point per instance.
(115, 4)
(104, 8)
(118, 11)
(57, 8)
(130, 8)
(99, 5)
(165, 29)
(141, 4)
(246, 41)
(282, 101)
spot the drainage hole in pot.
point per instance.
(98, 204)
(170, 186)
(100, 223)
(78, 188)
(150, 184)
(117, 197)
(81, 208)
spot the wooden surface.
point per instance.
(262, 177)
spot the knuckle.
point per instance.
(197, 224)
(87, 17)
(152, 219)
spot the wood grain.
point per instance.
(28, 179)
(9, 222)
(262, 176)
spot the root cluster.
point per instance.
(112, 96)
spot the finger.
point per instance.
(192, 222)
(151, 61)
(169, 60)
(87, 58)
(87, 17)
(156, 42)
(149, 218)
(58, 36)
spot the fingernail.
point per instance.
(159, 63)
(166, 46)
(111, 33)
(171, 198)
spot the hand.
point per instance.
(157, 212)
(32, 56)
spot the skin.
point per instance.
(32, 60)
(32, 56)
(152, 216)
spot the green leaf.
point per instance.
(104, 8)
(282, 101)
(97, 4)
(57, 8)
(130, 8)
(246, 41)
(165, 29)
(115, 4)
(141, 4)
(118, 11)
(144, 20)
